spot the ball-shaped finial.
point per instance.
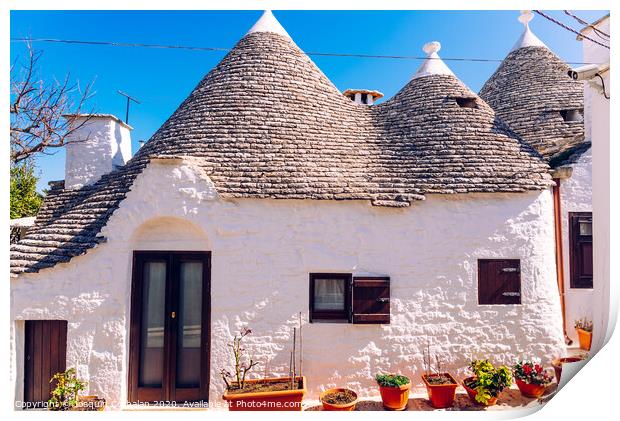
(431, 47)
(526, 16)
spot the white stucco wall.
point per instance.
(262, 253)
(598, 128)
(576, 195)
(95, 148)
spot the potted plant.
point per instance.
(266, 394)
(584, 332)
(532, 379)
(557, 364)
(65, 396)
(440, 386)
(338, 399)
(394, 389)
(487, 382)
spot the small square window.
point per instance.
(330, 296)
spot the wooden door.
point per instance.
(499, 281)
(169, 333)
(45, 355)
(581, 257)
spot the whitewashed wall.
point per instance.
(263, 251)
(597, 126)
(576, 195)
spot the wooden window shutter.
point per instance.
(580, 233)
(370, 300)
(499, 281)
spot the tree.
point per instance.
(38, 108)
(25, 200)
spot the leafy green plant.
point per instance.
(65, 395)
(584, 324)
(489, 380)
(391, 380)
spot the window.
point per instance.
(466, 102)
(499, 281)
(340, 297)
(580, 233)
(572, 115)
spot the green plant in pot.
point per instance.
(531, 378)
(394, 389)
(487, 382)
(65, 394)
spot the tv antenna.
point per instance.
(129, 99)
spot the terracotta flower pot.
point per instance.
(558, 362)
(338, 407)
(441, 395)
(585, 339)
(472, 394)
(395, 398)
(89, 403)
(281, 400)
(530, 390)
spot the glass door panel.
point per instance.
(189, 330)
(152, 326)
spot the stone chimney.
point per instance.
(363, 96)
(101, 144)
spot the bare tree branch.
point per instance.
(38, 109)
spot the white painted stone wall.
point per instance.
(576, 195)
(262, 253)
(597, 126)
(101, 144)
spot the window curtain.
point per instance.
(329, 294)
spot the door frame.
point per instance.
(167, 394)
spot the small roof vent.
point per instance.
(363, 96)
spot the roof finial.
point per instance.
(268, 23)
(527, 39)
(433, 65)
(525, 17)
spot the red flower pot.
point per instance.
(395, 398)
(283, 400)
(472, 394)
(441, 395)
(557, 365)
(530, 390)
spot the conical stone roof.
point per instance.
(267, 123)
(530, 90)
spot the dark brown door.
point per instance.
(45, 355)
(169, 337)
(580, 231)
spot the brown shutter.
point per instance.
(580, 232)
(499, 281)
(371, 300)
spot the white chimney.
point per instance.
(363, 96)
(101, 144)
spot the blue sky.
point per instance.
(162, 78)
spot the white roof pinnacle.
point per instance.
(433, 65)
(268, 23)
(527, 39)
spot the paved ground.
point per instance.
(510, 399)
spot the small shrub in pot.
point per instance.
(394, 389)
(487, 382)
(584, 328)
(440, 385)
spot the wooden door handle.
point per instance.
(173, 314)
